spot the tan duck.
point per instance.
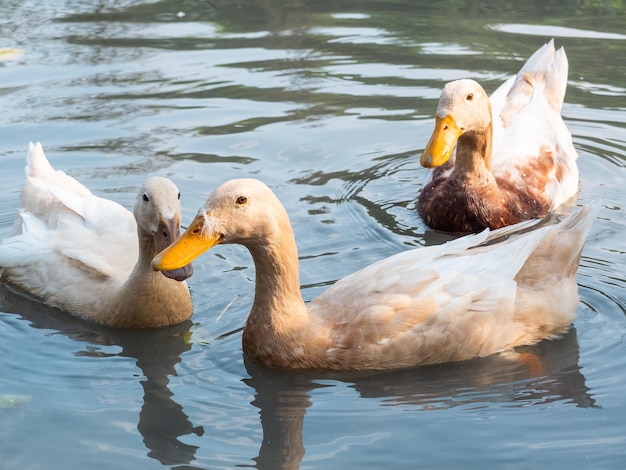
(450, 302)
(500, 161)
(90, 256)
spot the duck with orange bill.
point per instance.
(474, 296)
(501, 160)
(90, 256)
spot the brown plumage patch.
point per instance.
(469, 198)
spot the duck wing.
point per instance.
(531, 142)
(443, 303)
(62, 228)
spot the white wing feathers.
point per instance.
(61, 225)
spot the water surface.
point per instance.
(329, 103)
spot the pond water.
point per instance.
(330, 103)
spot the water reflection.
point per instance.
(537, 375)
(161, 419)
(531, 376)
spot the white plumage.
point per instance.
(82, 253)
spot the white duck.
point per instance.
(514, 157)
(88, 256)
(463, 299)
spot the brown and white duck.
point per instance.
(502, 160)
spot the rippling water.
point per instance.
(330, 103)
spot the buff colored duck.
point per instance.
(90, 256)
(500, 161)
(467, 298)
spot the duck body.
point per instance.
(90, 256)
(467, 298)
(501, 160)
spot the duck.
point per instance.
(90, 256)
(474, 296)
(502, 159)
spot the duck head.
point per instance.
(243, 211)
(463, 108)
(158, 213)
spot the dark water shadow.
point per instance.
(156, 351)
(531, 376)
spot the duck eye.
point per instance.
(145, 197)
(241, 200)
(178, 194)
(470, 97)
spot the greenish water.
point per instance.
(329, 103)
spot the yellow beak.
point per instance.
(441, 143)
(188, 247)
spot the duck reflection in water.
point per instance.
(529, 376)
(533, 375)
(157, 351)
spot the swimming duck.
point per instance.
(469, 297)
(500, 161)
(90, 256)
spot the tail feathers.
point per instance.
(38, 166)
(556, 81)
(572, 232)
(47, 191)
(542, 57)
(550, 67)
(544, 72)
(562, 245)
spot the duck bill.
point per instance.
(188, 247)
(168, 232)
(441, 143)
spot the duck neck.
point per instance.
(277, 292)
(473, 154)
(279, 327)
(147, 251)
(148, 298)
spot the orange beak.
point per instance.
(441, 143)
(188, 247)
